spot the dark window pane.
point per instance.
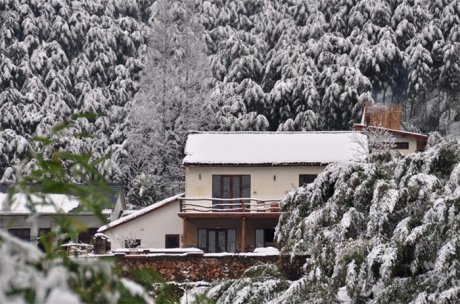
(401, 145)
(246, 191)
(269, 236)
(211, 241)
(216, 185)
(230, 186)
(221, 241)
(305, 179)
(226, 193)
(236, 190)
(231, 240)
(260, 238)
(172, 241)
(21, 233)
(202, 239)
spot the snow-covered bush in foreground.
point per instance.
(385, 231)
(258, 284)
(28, 276)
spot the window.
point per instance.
(230, 186)
(21, 233)
(132, 243)
(305, 179)
(217, 240)
(172, 241)
(265, 237)
(401, 145)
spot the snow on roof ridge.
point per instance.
(271, 132)
(43, 203)
(139, 212)
(273, 148)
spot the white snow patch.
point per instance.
(49, 203)
(277, 147)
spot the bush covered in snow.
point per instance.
(386, 232)
(29, 276)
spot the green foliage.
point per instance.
(88, 280)
(445, 161)
(374, 232)
(258, 284)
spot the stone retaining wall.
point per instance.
(207, 268)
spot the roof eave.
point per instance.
(192, 164)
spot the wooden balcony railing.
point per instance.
(229, 205)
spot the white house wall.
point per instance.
(43, 221)
(412, 144)
(266, 182)
(150, 228)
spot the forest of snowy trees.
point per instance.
(152, 70)
(134, 76)
(376, 232)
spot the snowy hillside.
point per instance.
(382, 232)
(59, 58)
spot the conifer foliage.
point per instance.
(302, 65)
(376, 232)
(286, 65)
(59, 58)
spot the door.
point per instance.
(217, 240)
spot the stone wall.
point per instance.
(207, 268)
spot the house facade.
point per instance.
(234, 182)
(387, 118)
(16, 217)
(155, 226)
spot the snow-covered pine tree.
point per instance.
(420, 82)
(168, 104)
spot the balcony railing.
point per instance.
(229, 205)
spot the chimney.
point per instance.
(382, 115)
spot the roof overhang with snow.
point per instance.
(419, 137)
(273, 148)
(141, 212)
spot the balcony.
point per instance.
(229, 205)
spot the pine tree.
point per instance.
(168, 103)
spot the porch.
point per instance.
(228, 226)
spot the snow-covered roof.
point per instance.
(56, 203)
(273, 148)
(140, 212)
(417, 136)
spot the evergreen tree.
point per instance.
(168, 104)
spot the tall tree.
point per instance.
(169, 102)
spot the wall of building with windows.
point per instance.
(22, 227)
(161, 228)
(268, 182)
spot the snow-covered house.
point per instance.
(16, 217)
(156, 226)
(234, 182)
(387, 118)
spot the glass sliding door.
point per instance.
(217, 240)
(228, 187)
